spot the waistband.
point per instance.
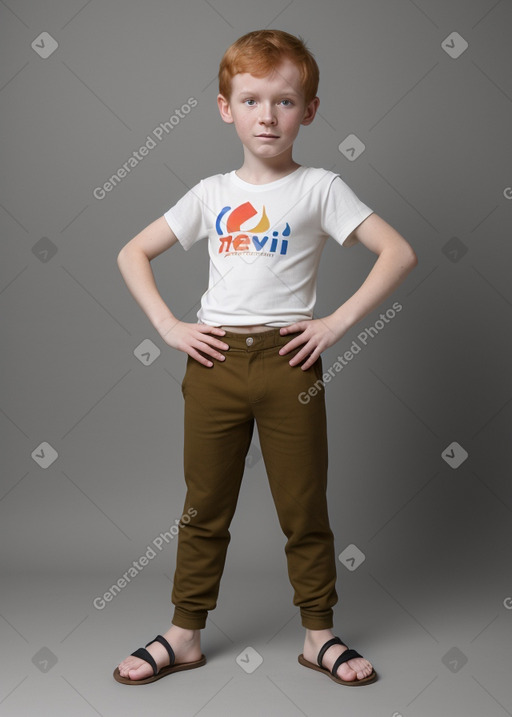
(256, 341)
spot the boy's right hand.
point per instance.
(193, 338)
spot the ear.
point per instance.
(224, 109)
(310, 111)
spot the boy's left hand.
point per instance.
(316, 335)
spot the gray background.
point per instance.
(434, 589)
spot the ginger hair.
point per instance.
(260, 52)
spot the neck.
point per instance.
(261, 171)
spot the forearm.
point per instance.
(388, 272)
(138, 275)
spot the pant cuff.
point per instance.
(317, 621)
(187, 620)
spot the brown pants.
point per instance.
(221, 403)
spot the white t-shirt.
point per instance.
(265, 241)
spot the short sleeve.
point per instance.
(186, 217)
(342, 212)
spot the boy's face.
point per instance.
(268, 111)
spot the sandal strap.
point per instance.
(324, 648)
(170, 651)
(345, 657)
(143, 654)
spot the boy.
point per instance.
(250, 352)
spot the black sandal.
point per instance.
(164, 671)
(347, 655)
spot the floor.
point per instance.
(59, 651)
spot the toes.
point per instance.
(136, 673)
(128, 664)
(356, 669)
(349, 674)
(364, 670)
(123, 668)
(134, 669)
(346, 672)
(139, 672)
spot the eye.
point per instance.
(290, 103)
(248, 100)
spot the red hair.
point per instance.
(260, 52)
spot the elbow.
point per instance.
(129, 255)
(409, 258)
(120, 257)
(413, 258)
(404, 257)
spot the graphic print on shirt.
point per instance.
(233, 240)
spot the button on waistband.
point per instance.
(254, 342)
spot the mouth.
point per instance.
(268, 136)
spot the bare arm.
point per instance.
(396, 259)
(134, 264)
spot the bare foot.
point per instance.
(185, 643)
(356, 669)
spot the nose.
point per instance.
(267, 116)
